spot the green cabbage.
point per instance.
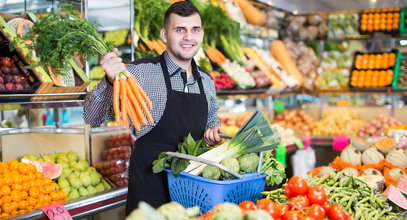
(211, 172)
(231, 164)
(249, 162)
(227, 211)
(173, 210)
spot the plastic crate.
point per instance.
(191, 190)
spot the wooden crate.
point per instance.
(47, 85)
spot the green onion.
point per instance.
(255, 136)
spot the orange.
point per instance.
(43, 189)
(24, 195)
(4, 214)
(62, 194)
(13, 164)
(46, 181)
(54, 186)
(15, 196)
(5, 190)
(31, 201)
(6, 208)
(7, 180)
(25, 187)
(32, 168)
(23, 168)
(23, 204)
(34, 192)
(24, 178)
(38, 205)
(31, 184)
(31, 176)
(47, 199)
(41, 199)
(6, 199)
(14, 205)
(16, 187)
(54, 196)
(38, 175)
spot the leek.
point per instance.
(255, 136)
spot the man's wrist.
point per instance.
(108, 80)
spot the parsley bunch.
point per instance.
(59, 36)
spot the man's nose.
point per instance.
(187, 35)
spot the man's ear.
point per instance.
(163, 35)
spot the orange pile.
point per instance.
(375, 61)
(23, 188)
(371, 78)
(380, 20)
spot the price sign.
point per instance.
(56, 211)
(340, 142)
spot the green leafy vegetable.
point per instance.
(274, 170)
(149, 18)
(59, 36)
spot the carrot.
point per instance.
(132, 115)
(163, 46)
(158, 47)
(137, 91)
(137, 87)
(123, 103)
(116, 102)
(150, 45)
(135, 104)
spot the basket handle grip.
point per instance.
(204, 161)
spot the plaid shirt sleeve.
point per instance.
(213, 105)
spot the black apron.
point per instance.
(184, 113)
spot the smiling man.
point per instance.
(183, 98)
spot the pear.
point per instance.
(72, 156)
(48, 159)
(61, 160)
(83, 191)
(95, 178)
(91, 189)
(73, 174)
(106, 184)
(73, 194)
(65, 172)
(81, 165)
(72, 163)
(100, 188)
(64, 164)
(30, 157)
(85, 178)
(62, 156)
(67, 190)
(90, 170)
(75, 182)
(63, 183)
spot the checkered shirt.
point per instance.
(98, 107)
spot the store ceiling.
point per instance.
(306, 6)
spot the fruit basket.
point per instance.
(373, 70)
(48, 83)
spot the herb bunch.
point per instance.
(59, 36)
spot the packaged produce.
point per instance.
(119, 179)
(122, 152)
(380, 20)
(111, 167)
(125, 139)
(333, 79)
(342, 25)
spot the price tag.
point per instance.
(340, 142)
(56, 211)
(307, 142)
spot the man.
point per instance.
(183, 98)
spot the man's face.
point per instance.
(183, 36)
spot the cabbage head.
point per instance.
(211, 172)
(249, 162)
(259, 214)
(227, 211)
(231, 164)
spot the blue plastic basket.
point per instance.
(191, 190)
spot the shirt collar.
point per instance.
(174, 68)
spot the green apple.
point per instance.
(91, 189)
(83, 191)
(67, 190)
(81, 165)
(63, 183)
(74, 194)
(48, 159)
(64, 164)
(72, 163)
(75, 182)
(106, 184)
(72, 156)
(65, 172)
(63, 156)
(90, 170)
(85, 178)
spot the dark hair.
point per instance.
(182, 8)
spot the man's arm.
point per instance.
(211, 135)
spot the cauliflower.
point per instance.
(249, 162)
(259, 214)
(231, 164)
(175, 211)
(227, 211)
(211, 172)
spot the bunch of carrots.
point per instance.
(156, 45)
(130, 101)
(215, 55)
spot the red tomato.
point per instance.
(336, 213)
(306, 218)
(248, 205)
(317, 212)
(284, 208)
(292, 215)
(270, 207)
(298, 185)
(298, 202)
(326, 206)
(207, 216)
(317, 195)
(288, 192)
(6, 61)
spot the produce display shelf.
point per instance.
(321, 141)
(87, 206)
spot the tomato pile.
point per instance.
(23, 188)
(305, 202)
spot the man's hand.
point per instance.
(112, 64)
(211, 135)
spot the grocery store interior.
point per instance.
(327, 77)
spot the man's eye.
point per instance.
(196, 30)
(179, 30)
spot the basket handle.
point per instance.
(204, 161)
